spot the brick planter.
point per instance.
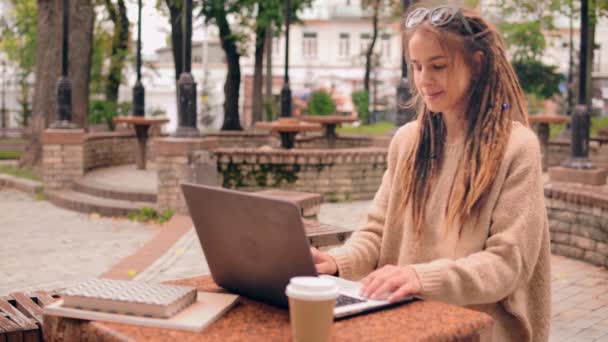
(578, 221)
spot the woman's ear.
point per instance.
(478, 57)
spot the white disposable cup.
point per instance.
(311, 308)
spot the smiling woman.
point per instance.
(460, 214)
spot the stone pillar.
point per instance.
(182, 160)
(62, 157)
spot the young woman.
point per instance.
(460, 214)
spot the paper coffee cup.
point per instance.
(311, 308)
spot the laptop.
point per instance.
(255, 244)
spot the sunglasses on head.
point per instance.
(438, 16)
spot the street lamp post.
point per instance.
(64, 85)
(186, 85)
(287, 139)
(3, 109)
(139, 93)
(580, 116)
(404, 114)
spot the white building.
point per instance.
(326, 50)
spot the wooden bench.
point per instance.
(308, 202)
(322, 235)
(21, 316)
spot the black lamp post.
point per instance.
(287, 138)
(580, 116)
(139, 101)
(404, 114)
(64, 86)
(3, 109)
(186, 84)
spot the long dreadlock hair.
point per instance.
(495, 99)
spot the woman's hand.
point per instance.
(324, 262)
(398, 282)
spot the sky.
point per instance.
(154, 27)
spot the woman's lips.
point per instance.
(433, 96)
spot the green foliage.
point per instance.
(537, 78)
(148, 214)
(19, 172)
(378, 128)
(321, 103)
(361, 101)
(10, 154)
(102, 45)
(101, 111)
(271, 109)
(597, 123)
(18, 37)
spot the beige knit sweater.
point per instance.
(501, 262)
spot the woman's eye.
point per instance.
(438, 67)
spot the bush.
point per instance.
(361, 101)
(148, 214)
(537, 78)
(321, 103)
(101, 111)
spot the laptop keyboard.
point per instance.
(347, 300)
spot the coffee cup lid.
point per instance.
(312, 288)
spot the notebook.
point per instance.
(158, 305)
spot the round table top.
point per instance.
(139, 120)
(549, 119)
(288, 125)
(329, 119)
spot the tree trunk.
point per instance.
(233, 78)
(81, 50)
(370, 49)
(120, 41)
(48, 70)
(258, 79)
(48, 55)
(369, 53)
(268, 94)
(175, 18)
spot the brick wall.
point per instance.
(338, 174)
(107, 149)
(559, 150)
(317, 142)
(578, 221)
(63, 156)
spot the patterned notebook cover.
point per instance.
(129, 297)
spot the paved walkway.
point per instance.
(46, 247)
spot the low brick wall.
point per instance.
(344, 141)
(559, 150)
(62, 157)
(578, 221)
(338, 174)
(105, 149)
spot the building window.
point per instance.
(386, 46)
(309, 45)
(365, 39)
(344, 48)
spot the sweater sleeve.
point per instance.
(360, 254)
(517, 224)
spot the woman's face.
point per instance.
(443, 79)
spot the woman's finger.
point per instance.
(403, 292)
(388, 286)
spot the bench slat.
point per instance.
(16, 316)
(27, 306)
(44, 298)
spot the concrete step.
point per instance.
(85, 203)
(96, 189)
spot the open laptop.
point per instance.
(255, 244)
